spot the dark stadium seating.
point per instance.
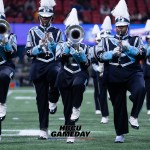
(89, 10)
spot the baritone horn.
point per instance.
(75, 34)
(4, 30)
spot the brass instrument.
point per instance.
(44, 43)
(4, 31)
(75, 34)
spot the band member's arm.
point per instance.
(103, 55)
(32, 49)
(137, 51)
(10, 44)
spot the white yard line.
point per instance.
(33, 91)
(23, 91)
(24, 98)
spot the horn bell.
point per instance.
(75, 33)
(4, 27)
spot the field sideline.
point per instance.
(20, 128)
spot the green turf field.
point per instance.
(20, 128)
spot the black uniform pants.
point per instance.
(96, 92)
(6, 74)
(42, 94)
(118, 92)
(103, 98)
(147, 86)
(71, 90)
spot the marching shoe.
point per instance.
(134, 122)
(119, 139)
(70, 139)
(98, 112)
(43, 135)
(52, 108)
(75, 114)
(148, 112)
(2, 111)
(104, 120)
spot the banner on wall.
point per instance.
(21, 30)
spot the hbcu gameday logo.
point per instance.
(67, 130)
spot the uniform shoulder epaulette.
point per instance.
(34, 28)
(55, 29)
(134, 36)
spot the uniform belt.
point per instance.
(71, 71)
(45, 60)
(123, 65)
(74, 64)
(2, 62)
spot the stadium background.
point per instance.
(22, 15)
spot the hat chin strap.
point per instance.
(125, 34)
(46, 24)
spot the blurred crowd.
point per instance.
(89, 11)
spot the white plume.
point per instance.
(2, 7)
(72, 18)
(106, 24)
(121, 10)
(47, 3)
(95, 29)
(147, 26)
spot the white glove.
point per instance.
(116, 51)
(125, 44)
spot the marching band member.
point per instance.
(73, 77)
(105, 32)
(122, 71)
(95, 75)
(8, 48)
(41, 46)
(146, 66)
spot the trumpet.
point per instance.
(44, 43)
(4, 31)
